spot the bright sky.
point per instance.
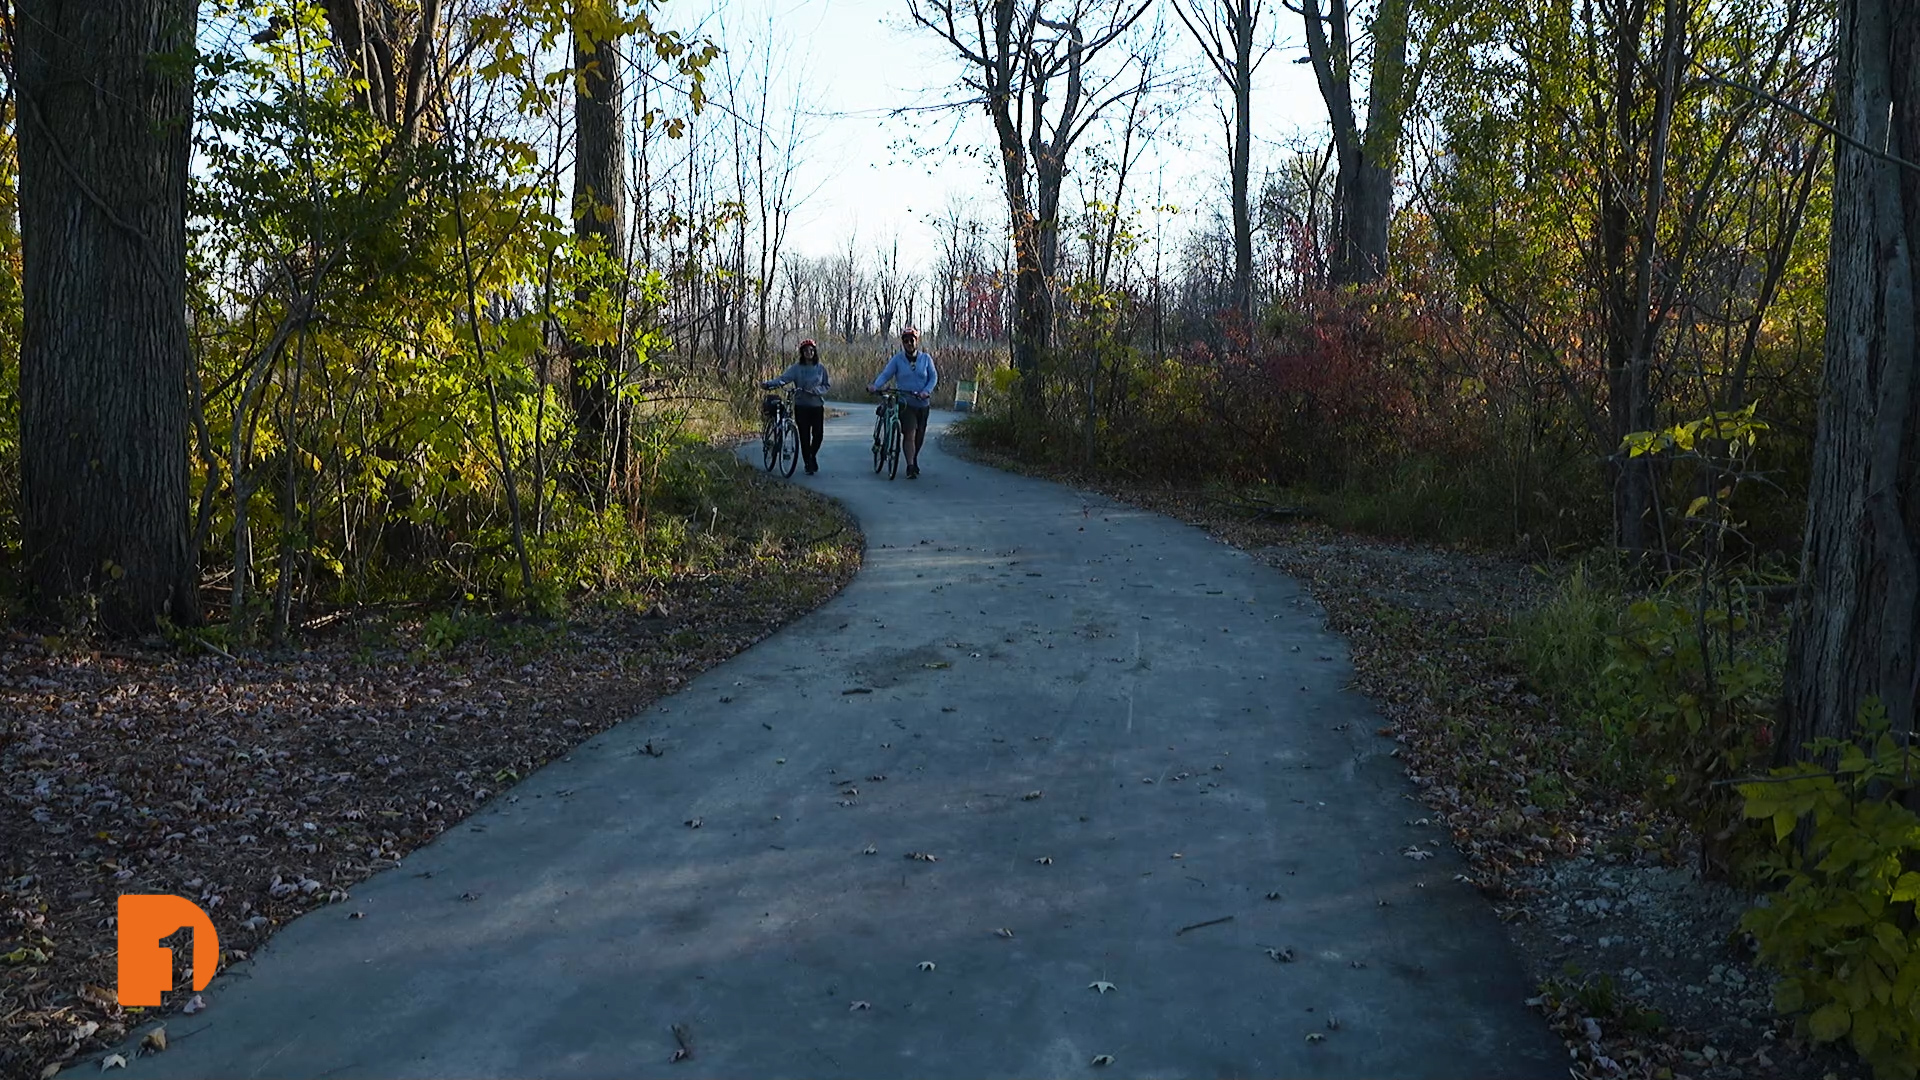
(864, 58)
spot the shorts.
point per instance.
(913, 420)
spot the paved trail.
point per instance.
(1038, 675)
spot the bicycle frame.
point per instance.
(886, 434)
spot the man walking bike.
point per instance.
(913, 375)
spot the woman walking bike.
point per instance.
(913, 375)
(810, 387)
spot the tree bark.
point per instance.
(1854, 630)
(106, 109)
(599, 215)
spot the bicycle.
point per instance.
(779, 436)
(886, 435)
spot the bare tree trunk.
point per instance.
(1633, 193)
(1225, 34)
(105, 114)
(1854, 625)
(599, 214)
(1363, 190)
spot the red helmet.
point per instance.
(908, 330)
(808, 341)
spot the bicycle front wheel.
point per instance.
(893, 450)
(789, 447)
(879, 446)
(770, 446)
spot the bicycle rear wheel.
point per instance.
(789, 447)
(893, 450)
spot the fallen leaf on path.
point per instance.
(684, 1036)
(926, 965)
(1416, 854)
(1102, 986)
(1280, 956)
(1316, 1037)
(1102, 1060)
(1031, 795)
(693, 823)
(921, 856)
(1004, 932)
(856, 690)
(155, 1041)
(111, 1061)
(869, 850)
(860, 1006)
(1045, 860)
(942, 664)
(196, 1003)
(1273, 896)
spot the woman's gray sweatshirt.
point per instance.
(810, 382)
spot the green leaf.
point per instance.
(1907, 888)
(1790, 996)
(1829, 1022)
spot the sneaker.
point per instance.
(913, 472)
(811, 469)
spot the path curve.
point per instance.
(1038, 675)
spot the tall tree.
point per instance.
(600, 223)
(106, 110)
(1225, 31)
(1366, 155)
(1018, 53)
(1857, 616)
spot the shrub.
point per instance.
(1841, 927)
(1701, 720)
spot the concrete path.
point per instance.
(1123, 742)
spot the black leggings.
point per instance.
(812, 421)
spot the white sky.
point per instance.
(864, 58)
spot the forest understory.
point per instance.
(266, 784)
